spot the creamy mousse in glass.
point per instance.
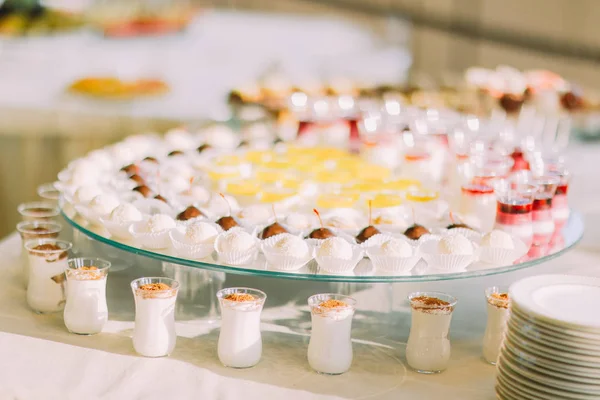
(428, 347)
(240, 340)
(46, 288)
(330, 346)
(154, 332)
(497, 317)
(29, 230)
(86, 311)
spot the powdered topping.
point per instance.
(155, 290)
(432, 305)
(154, 287)
(51, 248)
(239, 297)
(90, 268)
(499, 300)
(331, 303)
(86, 273)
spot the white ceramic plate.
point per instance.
(569, 334)
(549, 363)
(564, 300)
(510, 391)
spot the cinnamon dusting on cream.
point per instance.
(155, 291)
(239, 297)
(430, 304)
(332, 303)
(154, 287)
(499, 300)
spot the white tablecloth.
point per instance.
(41, 360)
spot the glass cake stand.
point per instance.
(123, 255)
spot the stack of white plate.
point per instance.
(552, 345)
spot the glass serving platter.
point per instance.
(364, 271)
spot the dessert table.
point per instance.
(48, 362)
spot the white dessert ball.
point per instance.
(179, 139)
(85, 194)
(456, 244)
(177, 184)
(341, 222)
(256, 213)
(499, 239)
(104, 204)
(335, 247)
(298, 221)
(199, 193)
(290, 245)
(101, 158)
(235, 240)
(219, 206)
(201, 232)
(220, 137)
(397, 248)
(125, 213)
(160, 223)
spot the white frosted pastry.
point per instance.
(235, 240)
(104, 204)
(125, 213)
(101, 158)
(335, 247)
(256, 213)
(396, 248)
(290, 245)
(298, 221)
(179, 139)
(498, 239)
(200, 232)
(456, 245)
(85, 194)
(160, 223)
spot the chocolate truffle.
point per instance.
(130, 169)
(511, 103)
(455, 226)
(227, 223)
(321, 233)
(137, 179)
(175, 153)
(367, 233)
(272, 230)
(415, 231)
(571, 101)
(144, 190)
(203, 147)
(189, 213)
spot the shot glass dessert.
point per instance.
(543, 221)
(38, 210)
(428, 347)
(86, 311)
(49, 193)
(29, 230)
(46, 288)
(497, 317)
(560, 203)
(330, 346)
(514, 212)
(240, 341)
(478, 203)
(154, 332)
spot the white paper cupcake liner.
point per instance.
(150, 240)
(503, 257)
(283, 262)
(393, 264)
(470, 234)
(194, 251)
(237, 257)
(339, 266)
(119, 230)
(445, 262)
(153, 206)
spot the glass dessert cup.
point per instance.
(46, 291)
(86, 311)
(478, 203)
(240, 340)
(35, 230)
(514, 213)
(426, 203)
(497, 317)
(154, 331)
(428, 347)
(330, 346)
(49, 193)
(38, 210)
(543, 221)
